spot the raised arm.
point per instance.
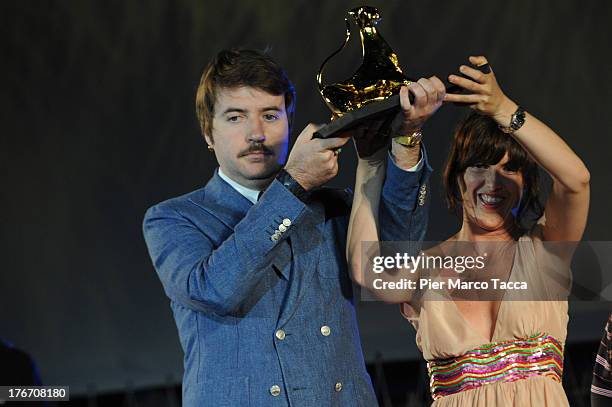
(567, 206)
(363, 223)
(392, 217)
(403, 211)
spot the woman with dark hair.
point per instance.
(483, 351)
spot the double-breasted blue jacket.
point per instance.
(267, 321)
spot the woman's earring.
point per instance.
(211, 148)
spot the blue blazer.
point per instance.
(267, 321)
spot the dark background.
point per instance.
(98, 123)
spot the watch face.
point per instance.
(518, 119)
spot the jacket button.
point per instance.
(280, 334)
(287, 222)
(282, 228)
(338, 386)
(325, 330)
(275, 390)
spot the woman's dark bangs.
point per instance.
(481, 149)
(518, 159)
(490, 149)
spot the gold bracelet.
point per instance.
(410, 140)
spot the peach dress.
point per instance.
(443, 334)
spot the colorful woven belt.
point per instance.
(498, 362)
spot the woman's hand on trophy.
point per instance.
(373, 138)
(483, 93)
(428, 97)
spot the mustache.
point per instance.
(256, 148)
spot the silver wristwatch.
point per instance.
(516, 121)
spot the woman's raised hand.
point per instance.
(483, 92)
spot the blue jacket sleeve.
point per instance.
(404, 207)
(198, 272)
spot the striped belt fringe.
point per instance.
(498, 362)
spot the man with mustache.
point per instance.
(254, 262)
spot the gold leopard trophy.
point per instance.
(373, 90)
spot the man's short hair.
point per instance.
(234, 68)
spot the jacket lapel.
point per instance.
(220, 200)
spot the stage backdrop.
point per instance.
(98, 120)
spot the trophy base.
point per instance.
(355, 118)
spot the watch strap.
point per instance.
(516, 121)
(292, 185)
